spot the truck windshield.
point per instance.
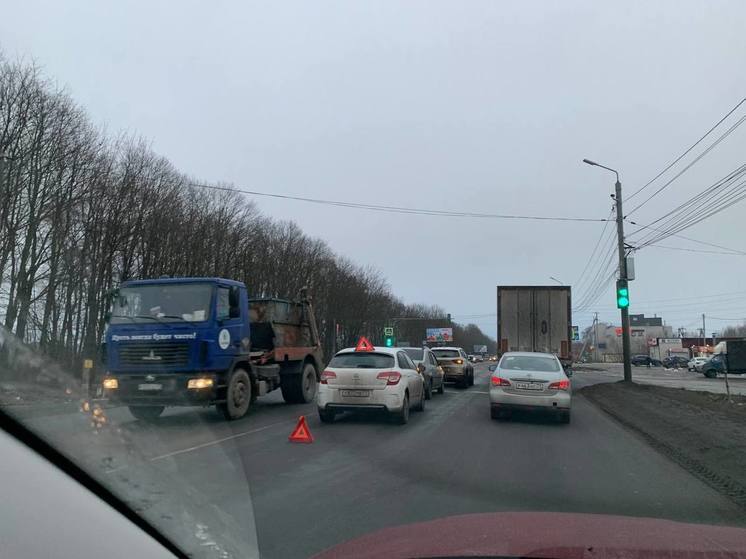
(173, 302)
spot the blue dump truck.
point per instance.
(203, 342)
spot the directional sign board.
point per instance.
(388, 331)
(575, 334)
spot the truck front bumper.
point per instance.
(166, 389)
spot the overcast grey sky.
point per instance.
(474, 106)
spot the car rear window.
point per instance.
(414, 353)
(362, 360)
(530, 363)
(446, 353)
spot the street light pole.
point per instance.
(622, 268)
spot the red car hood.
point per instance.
(547, 535)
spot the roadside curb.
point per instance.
(728, 487)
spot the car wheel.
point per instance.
(146, 413)
(494, 413)
(464, 382)
(471, 379)
(564, 416)
(442, 387)
(429, 390)
(710, 374)
(421, 405)
(402, 417)
(237, 395)
(326, 416)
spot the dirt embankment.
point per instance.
(703, 432)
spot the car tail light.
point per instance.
(560, 385)
(459, 361)
(391, 377)
(498, 381)
(326, 375)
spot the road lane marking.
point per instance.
(217, 441)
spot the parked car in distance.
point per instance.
(427, 364)
(382, 378)
(695, 363)
(455, 365)
(478, 359)
(644, 360)
(676, 362)
(529, 381)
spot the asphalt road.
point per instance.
(363, 473)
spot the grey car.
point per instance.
(455, 365)
(529, 381)
(432, 372)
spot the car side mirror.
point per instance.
(420, 368)
(568, 372)
(492, 368)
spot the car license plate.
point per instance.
(355, 393)
(150, 387)
(529, 386)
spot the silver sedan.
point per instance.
(529, 381)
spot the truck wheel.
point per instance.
(237, 396)
(300, 389)
(146, 413)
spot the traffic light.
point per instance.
(388, 340)
(622, 294)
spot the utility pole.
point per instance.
(704, 329)
(622, 268)
(595, 337)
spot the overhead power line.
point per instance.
(690, 165)
(695, 144)
(398, 209)
(653, 245)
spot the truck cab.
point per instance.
(188, 341)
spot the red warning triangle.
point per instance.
(364, 345)
(301, 433)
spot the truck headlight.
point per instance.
(198, 383)
(111, 383)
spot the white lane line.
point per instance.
(217, 441)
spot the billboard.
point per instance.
(480, 349)
(439, 334)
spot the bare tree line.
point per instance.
(81, 211)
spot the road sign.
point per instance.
(388, 331)
(301, 433)
(575, 334)
(439, 334)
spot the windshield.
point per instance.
(530, 363)
(229, 229)
(414, 353)
(362, 360)
(188, 302)
(446, 353)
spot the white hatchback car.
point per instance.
(376, 378)
(529, 381)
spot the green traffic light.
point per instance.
(389, 341)
(622, 302)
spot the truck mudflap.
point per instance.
(168, 389)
